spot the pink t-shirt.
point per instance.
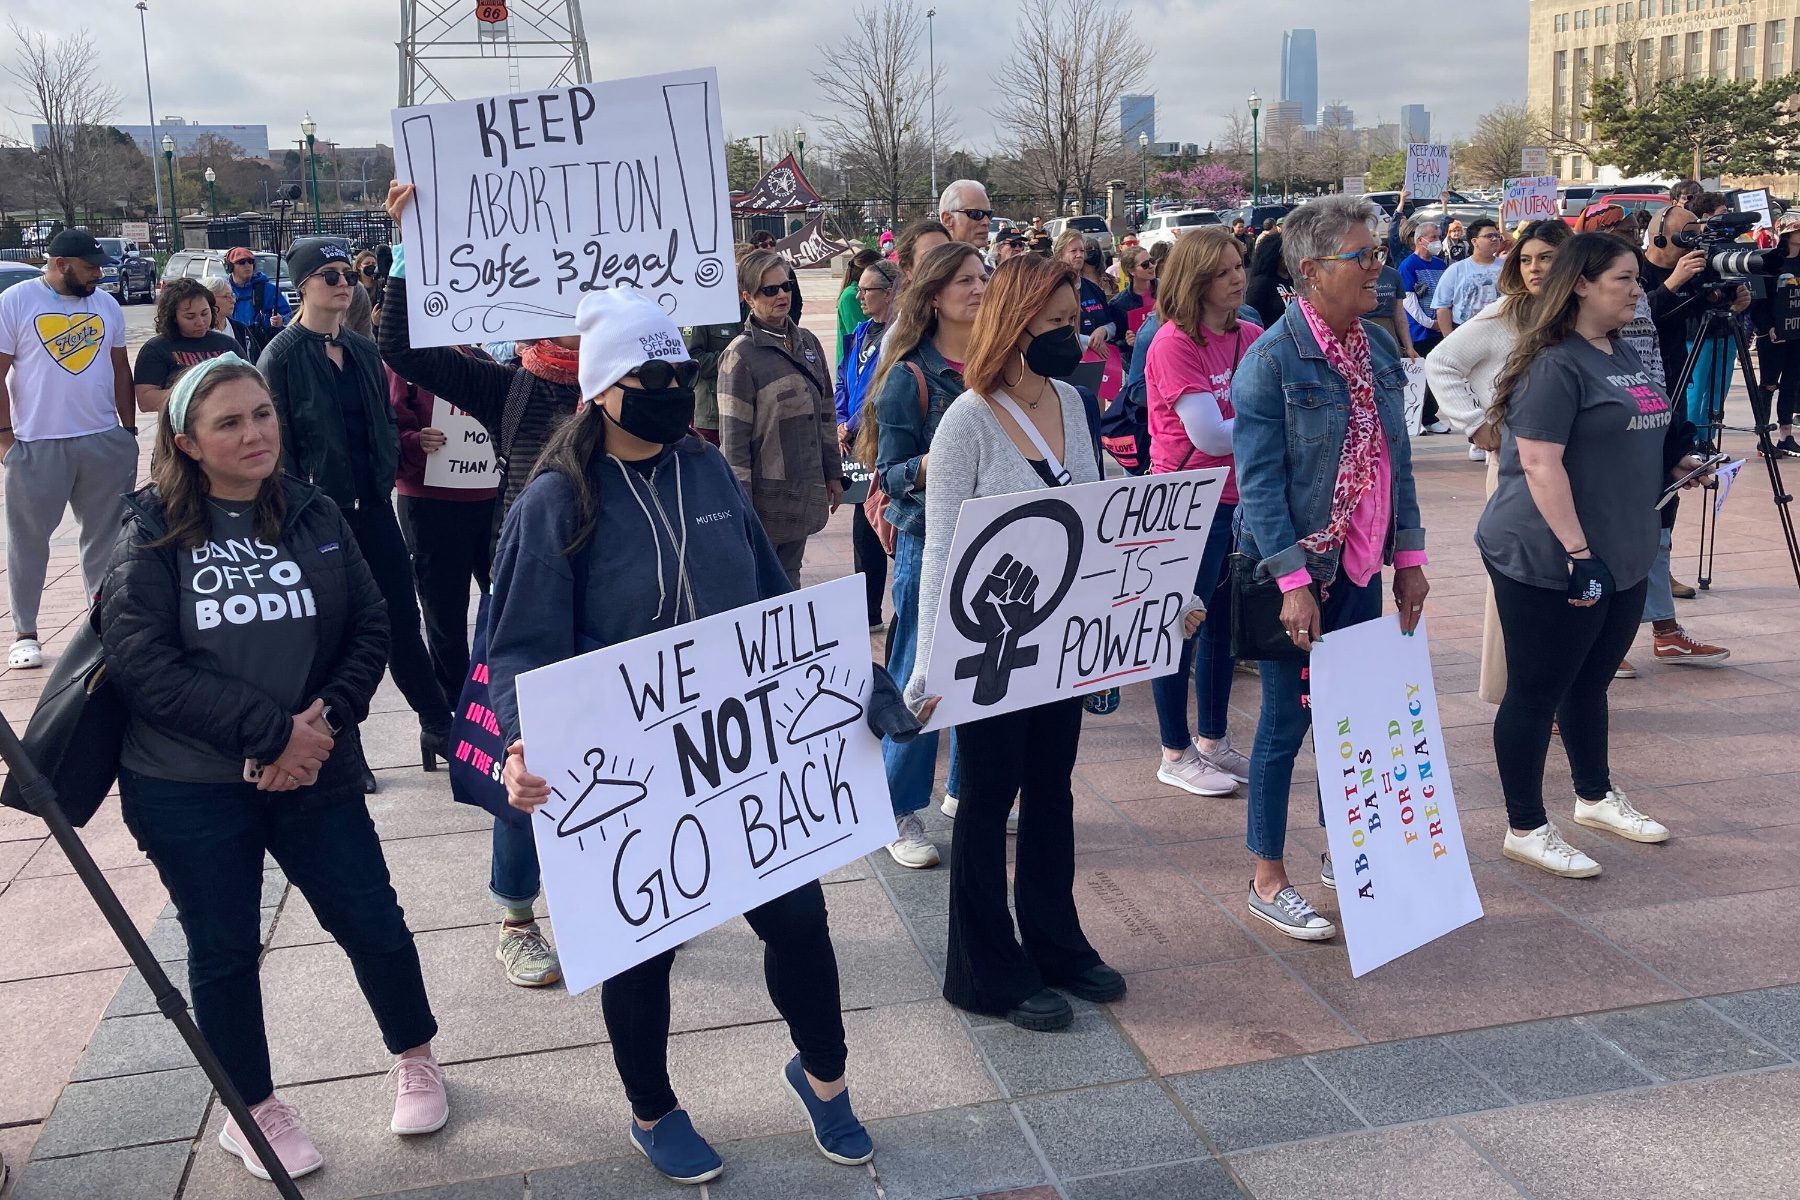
(1176, 366)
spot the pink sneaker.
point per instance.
(420, 1105)
(280, 1123)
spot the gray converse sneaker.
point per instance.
(1292, 915)
(911, 848)
(1191, 773)
(1327, 874)
(527, 956)
(1226, 760)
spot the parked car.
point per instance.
(1094, 228)
(207, 265)
(1255, 214)
(1169, 226)
(22, 254)
(12, 274)
(998, 226)
(1632, 202)
(1575, 197)
(127, 274)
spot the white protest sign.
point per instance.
(701, 771)
(1534, 160)
(1352, 185)
(1414, 396)
(1755, 200)
(1529, 198)
(1427, 168)
(527, 202)
(135, 231)
(1390, 813)
(1062, 592)
(466, 459)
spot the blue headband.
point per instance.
(183, 392)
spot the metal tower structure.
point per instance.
(434, 33)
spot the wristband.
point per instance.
(1576, 550)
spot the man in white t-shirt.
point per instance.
(1470, 284)
(68, 424)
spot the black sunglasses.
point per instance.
(332, 276)
(659, 373)
(243, 262)
(775, 289)
(976, 214)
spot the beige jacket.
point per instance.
(778, 428)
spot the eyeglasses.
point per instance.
(770, 291)
(867, 291)
(976, 214)
(332, 276)
(1488, 235)
(659, 373)
(1368, 258)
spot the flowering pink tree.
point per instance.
(1215, 185)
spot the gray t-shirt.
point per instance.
(1611, 421)
(246, 612)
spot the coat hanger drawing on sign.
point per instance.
(824, 711)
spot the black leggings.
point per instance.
(1778, 365)
(801, 970)
(1559, 662)
(450, 552)
(869, 558)
(377, 533)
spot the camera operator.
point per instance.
(1676, 303)
(1777, 320)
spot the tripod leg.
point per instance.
(169, 1001)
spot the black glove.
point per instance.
(1589, 579)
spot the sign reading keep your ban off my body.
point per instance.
(526, 203)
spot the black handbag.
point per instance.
(1257, 634)
(77, 731)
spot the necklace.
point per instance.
(1043, 387)
(227, 511)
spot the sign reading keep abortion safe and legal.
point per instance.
(526, 203)
(1058, 593)
(1390, 812)
(700, 771)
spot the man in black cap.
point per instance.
(68, 424)
(338, 432)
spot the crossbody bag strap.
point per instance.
(513, 412)
(924, 395)
(1031, 432)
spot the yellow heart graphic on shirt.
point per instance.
(73, 341)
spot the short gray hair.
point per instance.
(951, 200)
(1317, 228)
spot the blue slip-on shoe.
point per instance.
(675, 1149)
(836, 1131)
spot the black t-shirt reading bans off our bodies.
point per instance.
(246, 612)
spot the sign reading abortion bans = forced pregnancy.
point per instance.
(701, 771)
(527, 202)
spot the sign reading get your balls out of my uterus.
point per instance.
(526, 203)
(702, 770)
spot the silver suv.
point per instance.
(208, 265)
(1095, 229)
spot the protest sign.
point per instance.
(466, 459)
(1427, 168)
(527, 202)
(1353, 185)
(702, 770)
(1101, 569)
(1534, 160)
(135, 231)
(1390, 812)
(1754, 200)
(1529, 198)
(857, 490)
(1414, 396)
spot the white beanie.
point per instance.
(621, 329)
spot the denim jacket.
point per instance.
(1293, 412)
(906, 436)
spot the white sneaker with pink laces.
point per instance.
(420, 1105)
(280, 1123)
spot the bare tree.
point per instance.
(1501, 133)
(1059, 92)
(69, 97)
(875, 91)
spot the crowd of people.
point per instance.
(287, 551)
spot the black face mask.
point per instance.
(661, 416)
(1054, 354)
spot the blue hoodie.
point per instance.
(259, 287)
(862, 351)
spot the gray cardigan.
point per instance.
(971, 456)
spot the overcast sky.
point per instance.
(231, 62)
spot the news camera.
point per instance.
(1729, 265)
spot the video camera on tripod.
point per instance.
(1729, 265)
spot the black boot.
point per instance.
(434, 744)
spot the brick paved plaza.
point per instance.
(1635, 1035)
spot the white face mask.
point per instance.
(1434, 248)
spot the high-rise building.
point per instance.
(1337, 116)
(1569, 45)
(1281, 123)
(1300, 72)
(1415, 123)
(1137, 114)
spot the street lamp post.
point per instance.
(309, 128)
(1255, 149)
(212, 197)
(1143, 178)
(150, 99)
(168, 149)
(800, 146)
(931, 67)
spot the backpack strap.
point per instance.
(517, 396)
(924, 395)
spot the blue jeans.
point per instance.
(1207, 654)
(207, 841)
(514, 880)
(911, 766)
(1285, 720)
(1659, 601)
(1703, 390)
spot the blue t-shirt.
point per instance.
(1419, 277)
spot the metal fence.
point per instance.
(258, 231)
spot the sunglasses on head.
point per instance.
(976, 214)
(770, 291)
(658, 374)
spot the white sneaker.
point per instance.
(25, 653)
(1190, 773)
(948, 808)
(1477, 454)
(1545, 849)
(1438, 427)
(1615, 814)
(912, 848)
